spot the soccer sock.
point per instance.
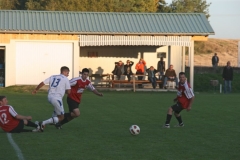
(168, 119)
(31, 124)
(51, 120)
(65, 120)
(179, 119)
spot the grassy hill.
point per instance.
(226, 49)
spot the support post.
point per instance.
(183, 59)
(189, 56)
(169, 56)
(238, 64)
(133, 79)
(192, 64)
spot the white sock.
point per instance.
(51, 120)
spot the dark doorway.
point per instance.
(2, 66)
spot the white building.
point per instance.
(35, 44)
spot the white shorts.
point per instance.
(57, 104)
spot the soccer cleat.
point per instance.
(41, 127)
(166, 126)
(36, 129)
(179, 125)
(58, 126)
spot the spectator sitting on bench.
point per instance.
(151, 76)
(170, 74)
(118, 69)
(128, 69)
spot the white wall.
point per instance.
(11, 61)
(176, 58)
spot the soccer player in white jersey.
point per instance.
(78, 85)
(58, 85)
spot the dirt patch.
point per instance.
(226, 49)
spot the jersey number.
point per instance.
(55, 82)
(3, 118)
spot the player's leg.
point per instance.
(31, 124)
(59, 110)
(169, 116)
(74, 112)
(177, 111)
(20, 128)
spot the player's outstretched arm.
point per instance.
(37, 88)
(97, 93)
(20, 117)
(190, 104)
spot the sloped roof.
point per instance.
(20, 21)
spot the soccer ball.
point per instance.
(134, 130)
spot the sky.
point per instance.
(224, 18)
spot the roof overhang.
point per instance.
(105, 33)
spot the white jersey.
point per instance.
(58, 84)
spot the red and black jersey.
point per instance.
(184, 94)
(7, 118)
(78, 85)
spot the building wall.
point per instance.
(176, 58)
(6, 38)
(9, 42)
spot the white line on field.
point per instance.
(15, 146)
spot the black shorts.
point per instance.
(19, 127)
(177, 108)
(72, 104)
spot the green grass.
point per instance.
(102, 131)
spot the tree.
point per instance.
(189, 6)
(8, 4)
(93, 5)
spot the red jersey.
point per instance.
(78, 85)
(184, 94)
(7, 120)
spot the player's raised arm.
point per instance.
(38, 87)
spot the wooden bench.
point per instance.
(112, 82)
(133, 82)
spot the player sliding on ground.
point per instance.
(58, 85)
(78, 85)
(12, 122)
(184, 99)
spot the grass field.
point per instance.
(101, 132)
